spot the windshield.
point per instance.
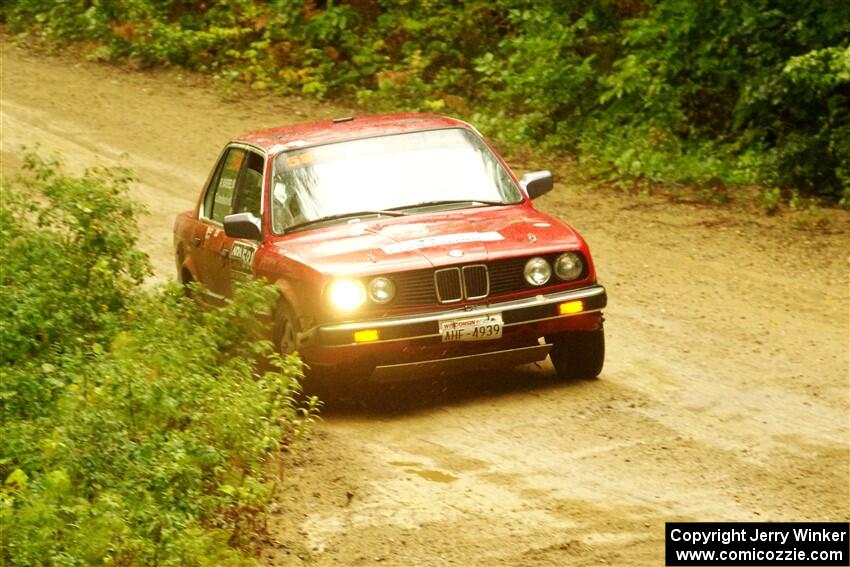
(386, 172)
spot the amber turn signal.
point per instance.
(570, 307)
(366, 336)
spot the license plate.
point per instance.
(483, 328)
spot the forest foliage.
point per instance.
(662, 91)
(136, 427)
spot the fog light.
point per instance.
(570, 307)
(366, 336)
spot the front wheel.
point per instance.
(287, 341)
(286, 336)
(286, 330)
(578, 355)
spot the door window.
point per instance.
(218, 202)
(249, 187)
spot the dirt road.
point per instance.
(724, 396)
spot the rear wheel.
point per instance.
(186, 280)
(578, 355)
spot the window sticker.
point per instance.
(236, 163)
(299, 160)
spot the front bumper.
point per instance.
(410, 345)
(517, 312)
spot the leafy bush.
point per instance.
(136, 425)
(70, 268)
(764, 82)
(655, 90)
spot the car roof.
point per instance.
(290, 137)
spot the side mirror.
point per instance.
(243, 225)
(536, 183)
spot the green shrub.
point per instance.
(136, 425)
(766, 78)
(70, 268)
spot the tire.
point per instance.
(285, 337)
(186, 280)
(578, 355)
(286, 330)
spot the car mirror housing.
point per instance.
(536, 183)
(243, 225)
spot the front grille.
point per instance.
(476, 284)
(422, 288)
(506, 276)
(449, 288)
(414, 288)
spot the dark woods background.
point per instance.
(661, 92)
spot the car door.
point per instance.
(213, 250)
(247, 198)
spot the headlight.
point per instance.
(347, 295)
(537, 271)
(381, 290)
(569, 266)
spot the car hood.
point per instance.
(427, 240)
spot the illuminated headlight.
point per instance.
(347, 295)
(537, 271)
(381, 290)
(568, 266)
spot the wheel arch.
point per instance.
(186, 271)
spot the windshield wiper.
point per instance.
(387, 212)
(449, 202)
